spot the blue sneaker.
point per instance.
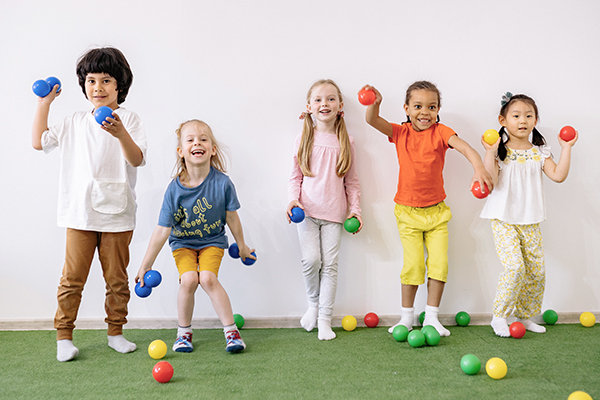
(235, 344)
(183, 344)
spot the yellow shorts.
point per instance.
(206, 259)
(422, 228)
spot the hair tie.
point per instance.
(341, 114)
(506, 98)
(303, 115)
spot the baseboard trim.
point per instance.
(253, 323)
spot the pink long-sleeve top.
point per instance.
(325, 195)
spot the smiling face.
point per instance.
(196, 146)
(324, 104)
(101, 90)
(422, 109)
(519, 121)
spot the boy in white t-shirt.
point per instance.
(96, 201)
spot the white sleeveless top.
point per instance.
(518, 197)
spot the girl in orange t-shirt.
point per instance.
(421, 213)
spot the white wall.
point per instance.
(245, 67)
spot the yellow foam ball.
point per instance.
(587, 319)
(349, 323)
(579, 395)
(157, 349)
(496, 368)
(490, 136)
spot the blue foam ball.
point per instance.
(102, 113)
(53, 81)
(234, 251)
(249, 261)
(41, 88)
(297, 215)
(152, 278)
(142, 291)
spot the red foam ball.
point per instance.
(366, 97)
(517, 330)
(371, 320)
(162, 372)
(567, 133)
(476, 189)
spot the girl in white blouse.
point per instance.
(516, 207)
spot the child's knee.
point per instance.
(208, 280)
(189, 281)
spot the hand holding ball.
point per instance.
(42, 88)
(477, 192)
(491, 136)
(152, 278)
(102, 113)
(567, 133)
(297, 215)
(352, 224)
(234, 252)
(142, 291)
(366, 97)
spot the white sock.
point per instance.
(407, 316)
(500, 327)
(120, 344)
(232, 327)
(183, 330)
(431, 318)
(532, 326)
(65, 350)
(325, 331)
(309, 319)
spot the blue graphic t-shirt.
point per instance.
(197, 215)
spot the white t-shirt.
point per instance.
(518, 197)
(96, 184)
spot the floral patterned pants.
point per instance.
(521, 284)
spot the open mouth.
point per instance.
(198, 152)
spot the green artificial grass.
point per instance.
(293, 363)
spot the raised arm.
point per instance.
(372, 115)
(559, 172)
(40, 119)
(489, 159)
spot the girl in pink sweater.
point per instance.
(325, 185)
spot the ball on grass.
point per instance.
(162, 371)
(587, 319)
(579, 395)
(349, 323)
(517, 330)
(157, 349)
(239, 320)
(470, 364)
(432, 336)
(416, 338)
(550, 317)
(496, 368)
(371, 320)
(400, 333)
(462, 318)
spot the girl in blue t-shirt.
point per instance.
(197, 205)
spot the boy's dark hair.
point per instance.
(536, 137)
(108, 60)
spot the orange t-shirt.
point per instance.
(421, 157)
